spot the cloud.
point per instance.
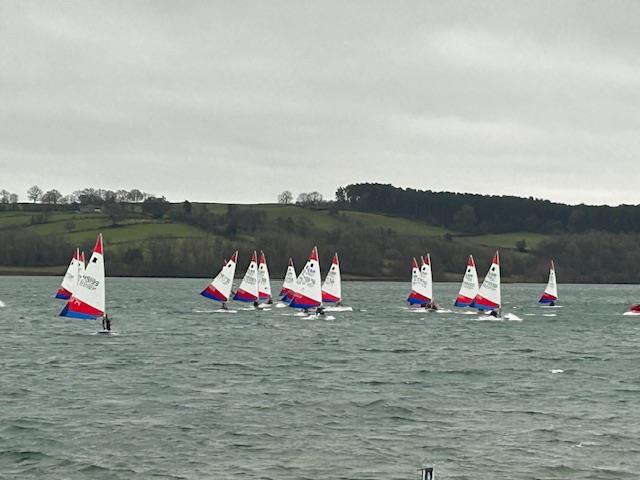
(238, 101)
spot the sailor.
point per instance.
(224, 306)
(106, 322)
(494, 313)
(552, 303)
(255, 304)
(320, 311)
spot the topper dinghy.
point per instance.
(469, 288)
(550, 295)
(488, 297)
(88, 299)
(307, 291)
(219, 289)
(248, 289)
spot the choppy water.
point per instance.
(183, 392)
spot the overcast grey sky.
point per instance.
(236, 101)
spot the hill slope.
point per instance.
(192, 239)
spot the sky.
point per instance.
(238, 101)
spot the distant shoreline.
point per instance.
(449, 278)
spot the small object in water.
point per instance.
(426, 473)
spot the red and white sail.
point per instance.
(264, 282)
(488, 297)
(307, 291)
(88, 299)
(289, 281)
(220, 287)
(550, 293)
(332, 286)
(248, 289)
(469, 288)
(71, 277)
(421, 286)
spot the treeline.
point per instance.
(472, 213)
(365, 251)
(84, 196)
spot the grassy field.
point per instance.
(135, 231)
(508, 240)
(82, 228)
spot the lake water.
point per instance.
(186, 392)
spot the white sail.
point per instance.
(289, 280)
(264, 282)
(550, 293)
(415, 275)
(220, 287)
(488, 297)
(88, 299)
(469, 288)
(248, 289)
(332, 286)
(427, 276)
(71, 277)
(307, 291)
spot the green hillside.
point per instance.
(192, 239)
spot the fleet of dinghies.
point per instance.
(304, 291)
(485, 298)
(83, 286)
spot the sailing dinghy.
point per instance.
(219, 289)
(289, 282)
(421, 283)
(488, 297)
(307, 291)
(88, 299)
(332, 287)
(264, 282)
(71, 277)
(550, 295)
(469, 288)
(248, 289)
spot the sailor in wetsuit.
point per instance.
(106, 322)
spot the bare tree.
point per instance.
(4, 196)
(52, 196)
(69, 199)
(122, 196)
(34, 193)
(285, 197)
(135, 195)
(13, 198)
(310, 198)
